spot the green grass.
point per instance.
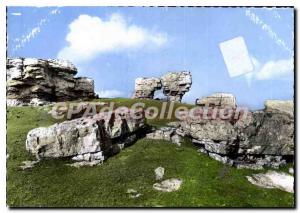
(206, 182)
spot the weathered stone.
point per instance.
(221, 100)
(133, 193)
(269, 133)
(145, 87)
(257, 140)
(159, 173)
(216, 130)
(273, 179)
(168, 185)
(91, 138)
(85, 163)
(280, 106)
(176, 84)
(28, 164)
(165, 133)
(32, 81)
(223, 159)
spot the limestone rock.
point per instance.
(280, 106)
(221, 100)
(273, 179)
(90, 138)
(133, 193)
(145, 87)
(28, 164)
(176, 84)
(165, 133)
(269, 134)
(32, 81)
(168, 185)
(216, 130)
(159, 173)
(259, 139)
(85, 163)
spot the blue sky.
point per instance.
(115, 45)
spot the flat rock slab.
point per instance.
(273, 179)
(168, 185)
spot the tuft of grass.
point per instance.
(206, 182)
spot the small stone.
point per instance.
(86, 163)
(159, 173)
(28, 164)
(133, 193)
(291, 170)
(176, 139)
(168, 185)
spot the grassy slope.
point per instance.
(207, 183)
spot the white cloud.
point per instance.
(16, 14)
(110, 93)
(279, 69)
(89, 36)
(276, 69)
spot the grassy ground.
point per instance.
(206, 182)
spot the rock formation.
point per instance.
(175, 85)
(145, 87)
(37, 81)
(221, 100)
(87, 139)
(263, 138)
(167, 134)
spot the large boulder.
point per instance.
(176, 84)
(37, 81)
(145, 87)
(89, 138)
(260, 138)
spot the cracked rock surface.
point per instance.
(32, 81)
(87, 139)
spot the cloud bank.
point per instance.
(271, 70)
(90, 36)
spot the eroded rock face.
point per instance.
(176, 84)
(262, 138)
(221, 100)
(32, 81)
(87, 139)
(145, 87)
